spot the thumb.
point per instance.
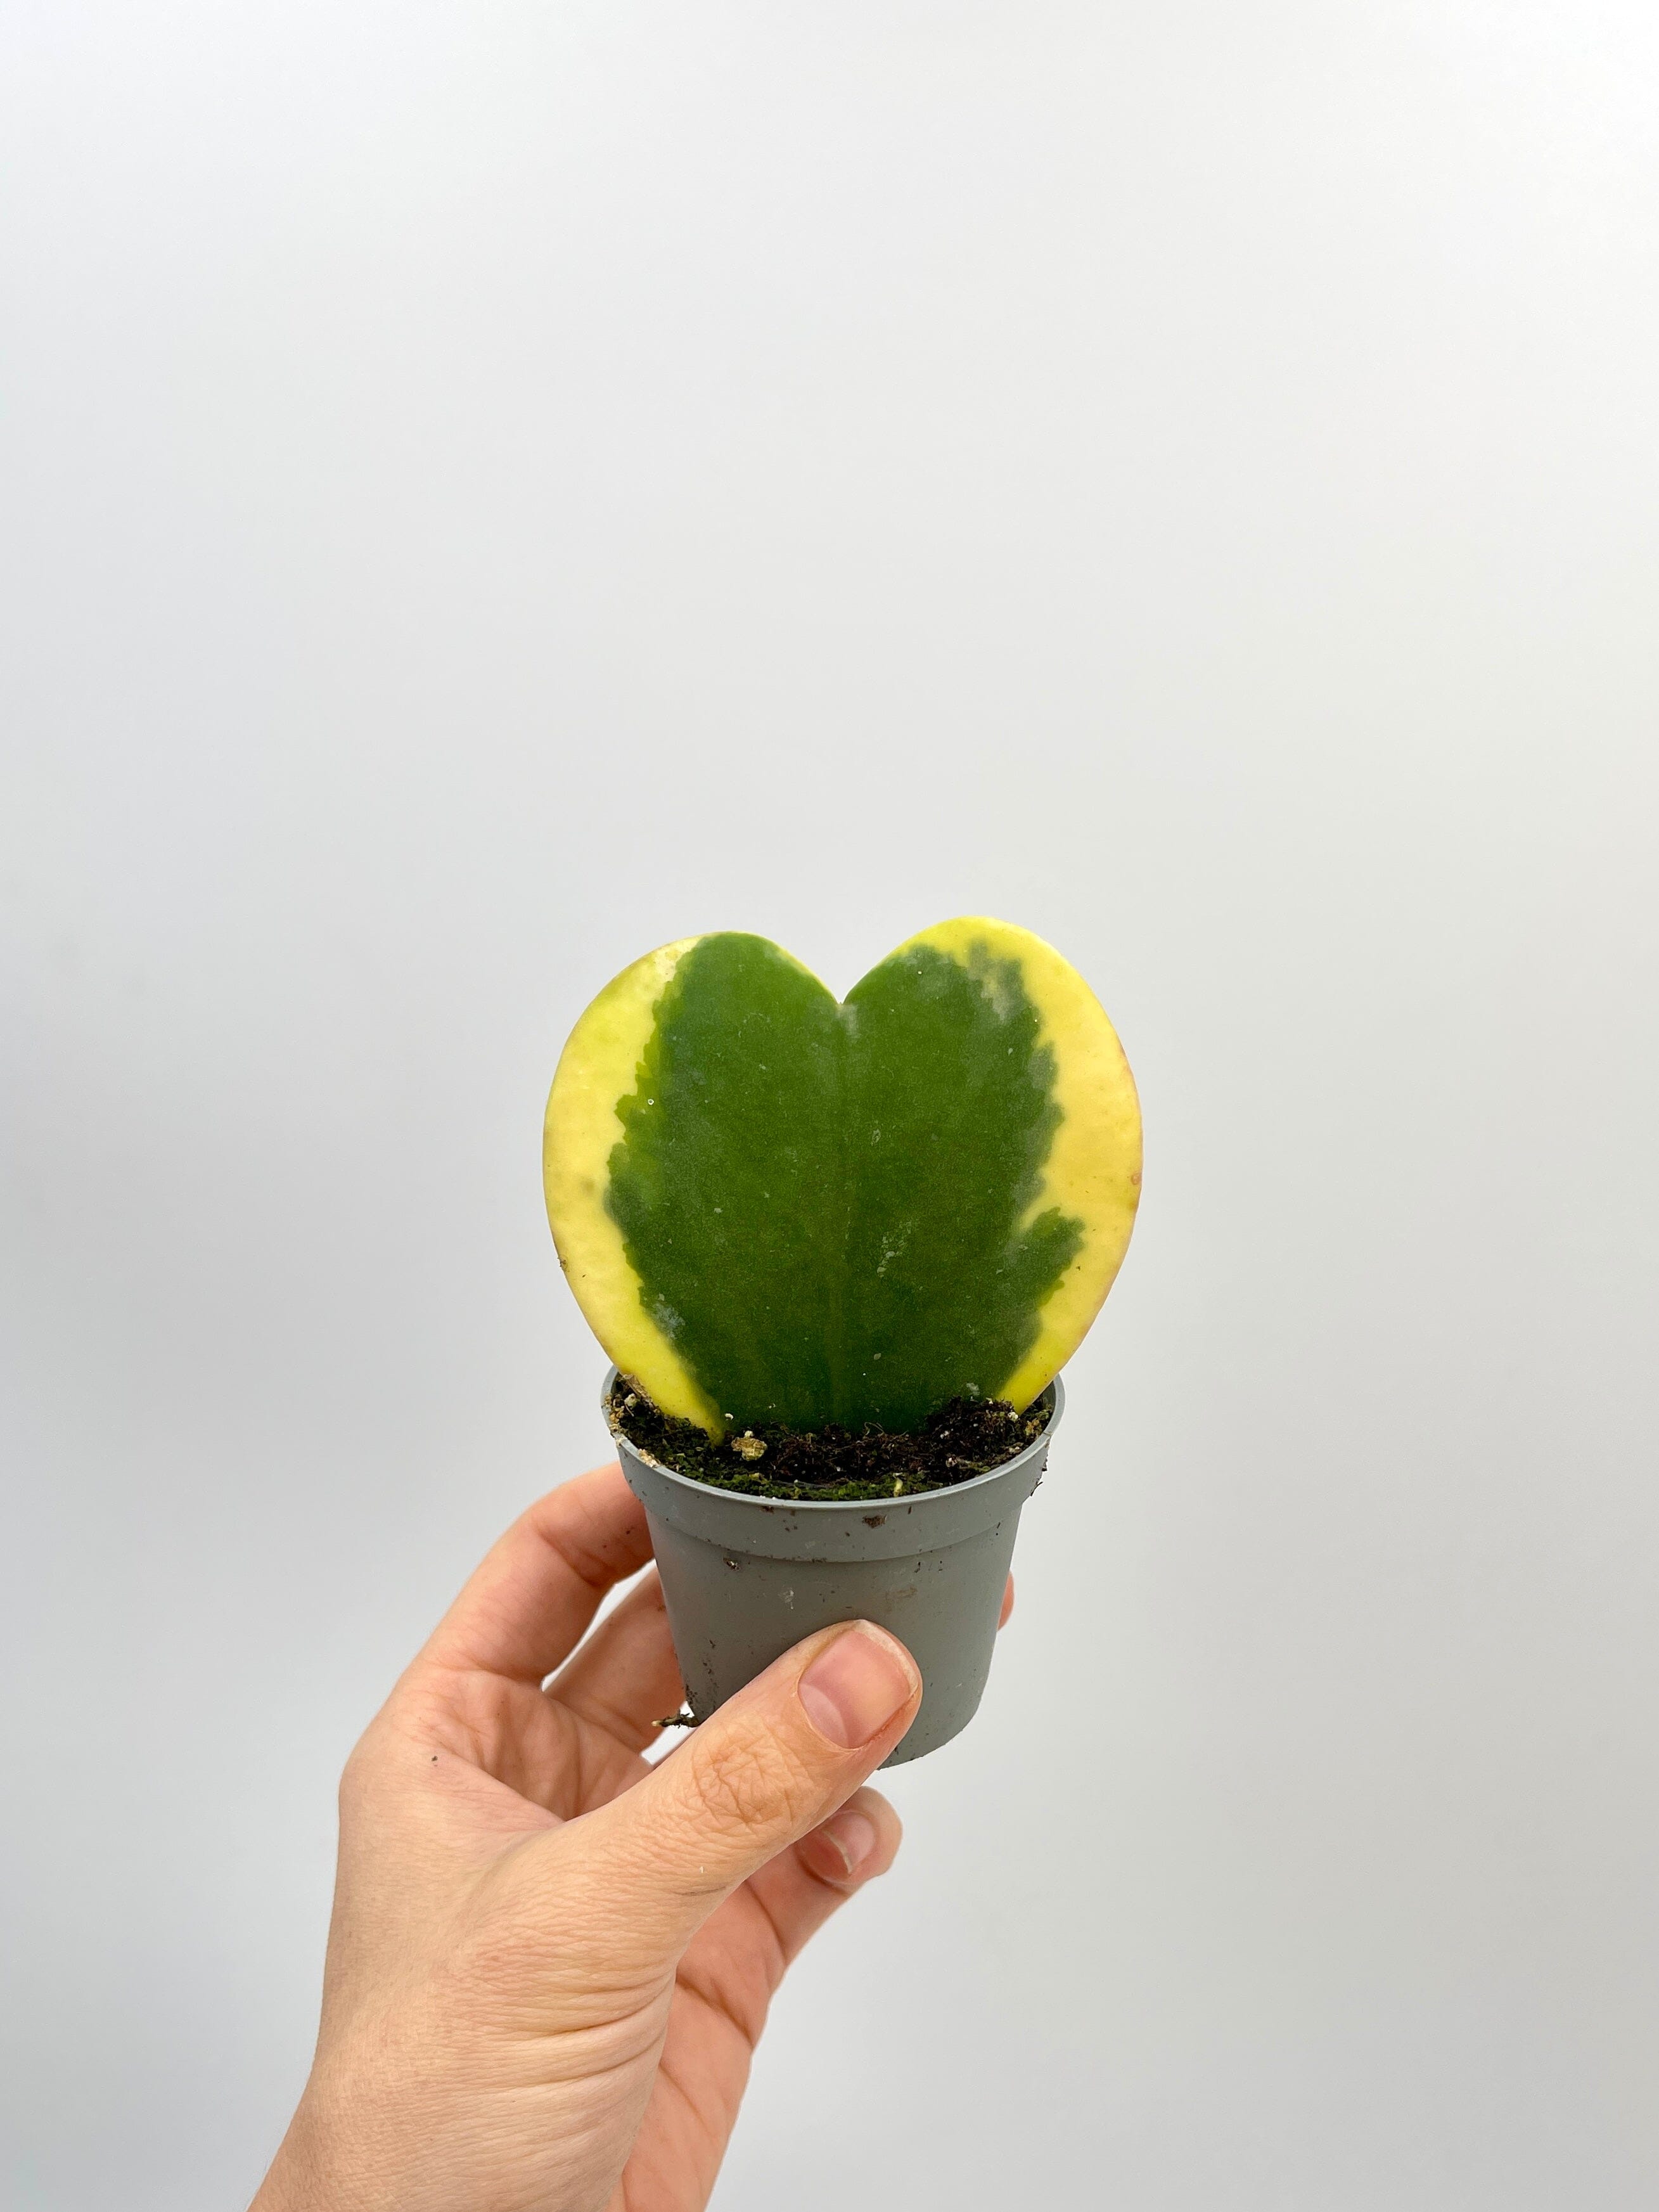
(756, 1776)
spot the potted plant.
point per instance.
(838, 1253)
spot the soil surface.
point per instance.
(967, 1437)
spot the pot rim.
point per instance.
(914, 1500)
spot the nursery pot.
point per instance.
(746, 1577)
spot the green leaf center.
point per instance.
(826, 1205)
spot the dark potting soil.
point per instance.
(969, 1437)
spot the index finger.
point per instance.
(526, 1606)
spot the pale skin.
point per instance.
(550, 1962)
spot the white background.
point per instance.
(491, 487)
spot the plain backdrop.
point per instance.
(492, 487)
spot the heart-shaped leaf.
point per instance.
(773, 1208)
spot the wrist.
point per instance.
(301, 2177)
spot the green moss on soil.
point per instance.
(828, 1465)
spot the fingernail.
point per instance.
(856, 1685)
(835, 1851)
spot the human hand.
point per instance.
(549, 1961)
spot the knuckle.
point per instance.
(370, 1775)
(355, 1776)
(746, 1778)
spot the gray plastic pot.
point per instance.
(746, 1577)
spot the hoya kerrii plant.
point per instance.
(838, 1252)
